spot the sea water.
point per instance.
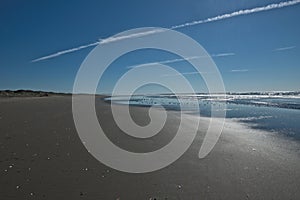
(279, 114)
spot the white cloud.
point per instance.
(284, 48)
(212, 19)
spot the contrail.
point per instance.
(184, 73)
(101, 41)
(65, 52)
(164, 62)
(133, 35)
(222, 54)
(193, 23)
(238, 13)
(284, 48)
(239, 70)
(179, 60)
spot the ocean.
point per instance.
(270, 112)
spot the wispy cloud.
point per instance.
(193, 23)
(284, 48)
(239, 70)
(179, 60)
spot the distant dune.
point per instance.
(27, 93)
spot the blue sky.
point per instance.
(264, 46)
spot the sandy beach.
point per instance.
(42, 157)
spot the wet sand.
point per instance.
(42, 157)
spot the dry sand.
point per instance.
(42, 157)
